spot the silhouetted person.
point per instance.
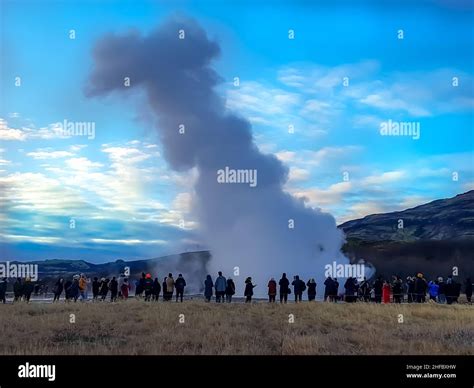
(28, 288)
(220, 285)
(386, 292)
(272, 290)
(148, 287)
(165, 294)
(328, 288)
(3, 290)
(397, 288)
(420, 288)
(350, 290)
(113, 289)
(67, 290)
(336, 290)
(433, 290)
(311, 289)
(378, 286)
(104, 288)
(411, 289)
(169, 287)
(140, 285)
(208, 285)
(179, 285)
(17, 290)
(248, 289)
(125, 289)
(284, 288)
(156, 290)
(58, 289)
(441, 290)
(468, 289)
(365, 290)
(95, 289)
(229, 290)
(299, 287)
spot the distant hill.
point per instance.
(435, 237)
(190, 264)
(443, 219)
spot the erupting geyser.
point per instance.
(248, 227)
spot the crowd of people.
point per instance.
(415, 289)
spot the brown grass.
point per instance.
(136, 327)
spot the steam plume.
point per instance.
(245, 227)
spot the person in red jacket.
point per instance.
(272, 290)
(125, 288)
(386, 292)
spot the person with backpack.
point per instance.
(156, 290)
(299, 287)
(248, 293)
(113, 289)
(179, 285)
(272, 290)
(284, 284)
(58, 289)
(208, 286)
(220, 286)
(148, 287)
(229, 290)
(311, 289)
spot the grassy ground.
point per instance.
(136, 327)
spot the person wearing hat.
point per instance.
(420, 288)
(148, 287)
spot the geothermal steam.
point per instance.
(246, 228)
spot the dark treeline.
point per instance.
(414, 289)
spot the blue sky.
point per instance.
(117, 188)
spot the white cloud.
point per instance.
(45, 154)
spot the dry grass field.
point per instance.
(135, 327)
